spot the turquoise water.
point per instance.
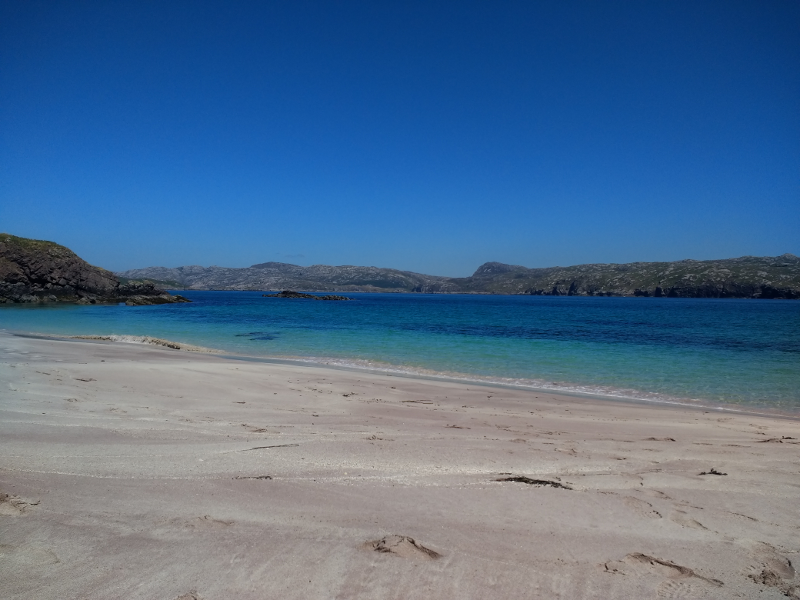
(711, 352)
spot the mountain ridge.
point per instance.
(742, 277)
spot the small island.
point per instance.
(291, 294)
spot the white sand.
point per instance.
(140, 472)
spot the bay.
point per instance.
(739, 353)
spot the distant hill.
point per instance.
(283, 276)
(745, 277)
(39, 271)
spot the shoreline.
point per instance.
(136, 471)
(466, 293)
(398, 371)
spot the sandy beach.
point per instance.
(140, 472)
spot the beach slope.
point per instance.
(140, 472)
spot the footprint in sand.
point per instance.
(684, 520)
(768, 567)
(26, 557)
(404, 546)
(254, 429)
(643, 564)
(13, 506)
(208, 522)
(655, 494)
(680, 589)
(641, 508)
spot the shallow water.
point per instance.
(712, 352)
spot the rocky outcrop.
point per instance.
(38, 271)
(136, 293)
(300, 295)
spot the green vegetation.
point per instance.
(30, 245)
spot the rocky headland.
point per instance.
(39, 271)
(745, 277)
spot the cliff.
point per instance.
(39, 271)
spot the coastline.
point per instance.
(139, 471)
(363, 366)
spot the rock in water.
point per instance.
(291, 294)
(39, 271)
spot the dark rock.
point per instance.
(145, 292)
(291, 294)
(539, 482)
(36, 271)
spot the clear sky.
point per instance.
(427, 136)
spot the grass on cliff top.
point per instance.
(43, 246)
(29, 244)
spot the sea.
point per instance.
(723, 354)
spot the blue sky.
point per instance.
(427, 136)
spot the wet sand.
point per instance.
(139, 472)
